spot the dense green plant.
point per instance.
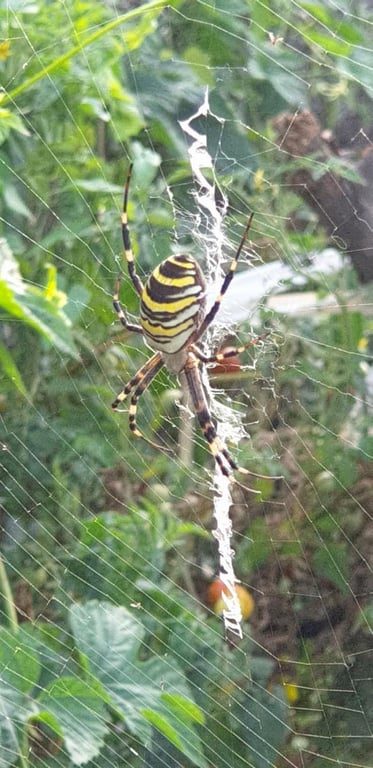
(75, 693)
(67, 690)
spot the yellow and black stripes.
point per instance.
(224, 461)
(141, 379)
(172, 303)
(172, 320)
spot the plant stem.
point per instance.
(23, 752)
(6, 591)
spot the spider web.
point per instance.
(110, 651)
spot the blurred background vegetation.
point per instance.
(107, 551)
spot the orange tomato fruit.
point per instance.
(217, 603)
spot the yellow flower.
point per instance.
(362, 344)
(259, 180)
(4, 50)
(291, 692)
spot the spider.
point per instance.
(172, 319)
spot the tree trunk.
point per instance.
(344, 207)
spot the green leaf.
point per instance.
(14, 202)
(81, 713)
(10, 275)
(339, 167)
(19, 671)
(42, 310)
(282, 78)
(163, 725)
(331, 562)
(146, 166)
(19, 665)
(328, 43)
(172, 719)
(49, 319)
(263, 716)
(186, 708)
(99, 185)
(318, 12)
(10, 121)
(136, 34)
(14, 711)
(289, 87)
(345, 31)
(260, 548)
(110, 639)
(11, 370)
(358, 67)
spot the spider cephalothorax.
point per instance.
(172, 319)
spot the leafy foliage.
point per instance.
(146, 694)
(122, 656)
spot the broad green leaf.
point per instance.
(118, 549)
(259, 549)
(82, 716)
(110, 639)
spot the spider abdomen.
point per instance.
(172, 304)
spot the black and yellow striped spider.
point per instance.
(172, 319)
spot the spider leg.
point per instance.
(139, 383)
(218, 358)
(232, 352)
(219, 452)
(127, 240)
(226, 282)
(121, 314)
